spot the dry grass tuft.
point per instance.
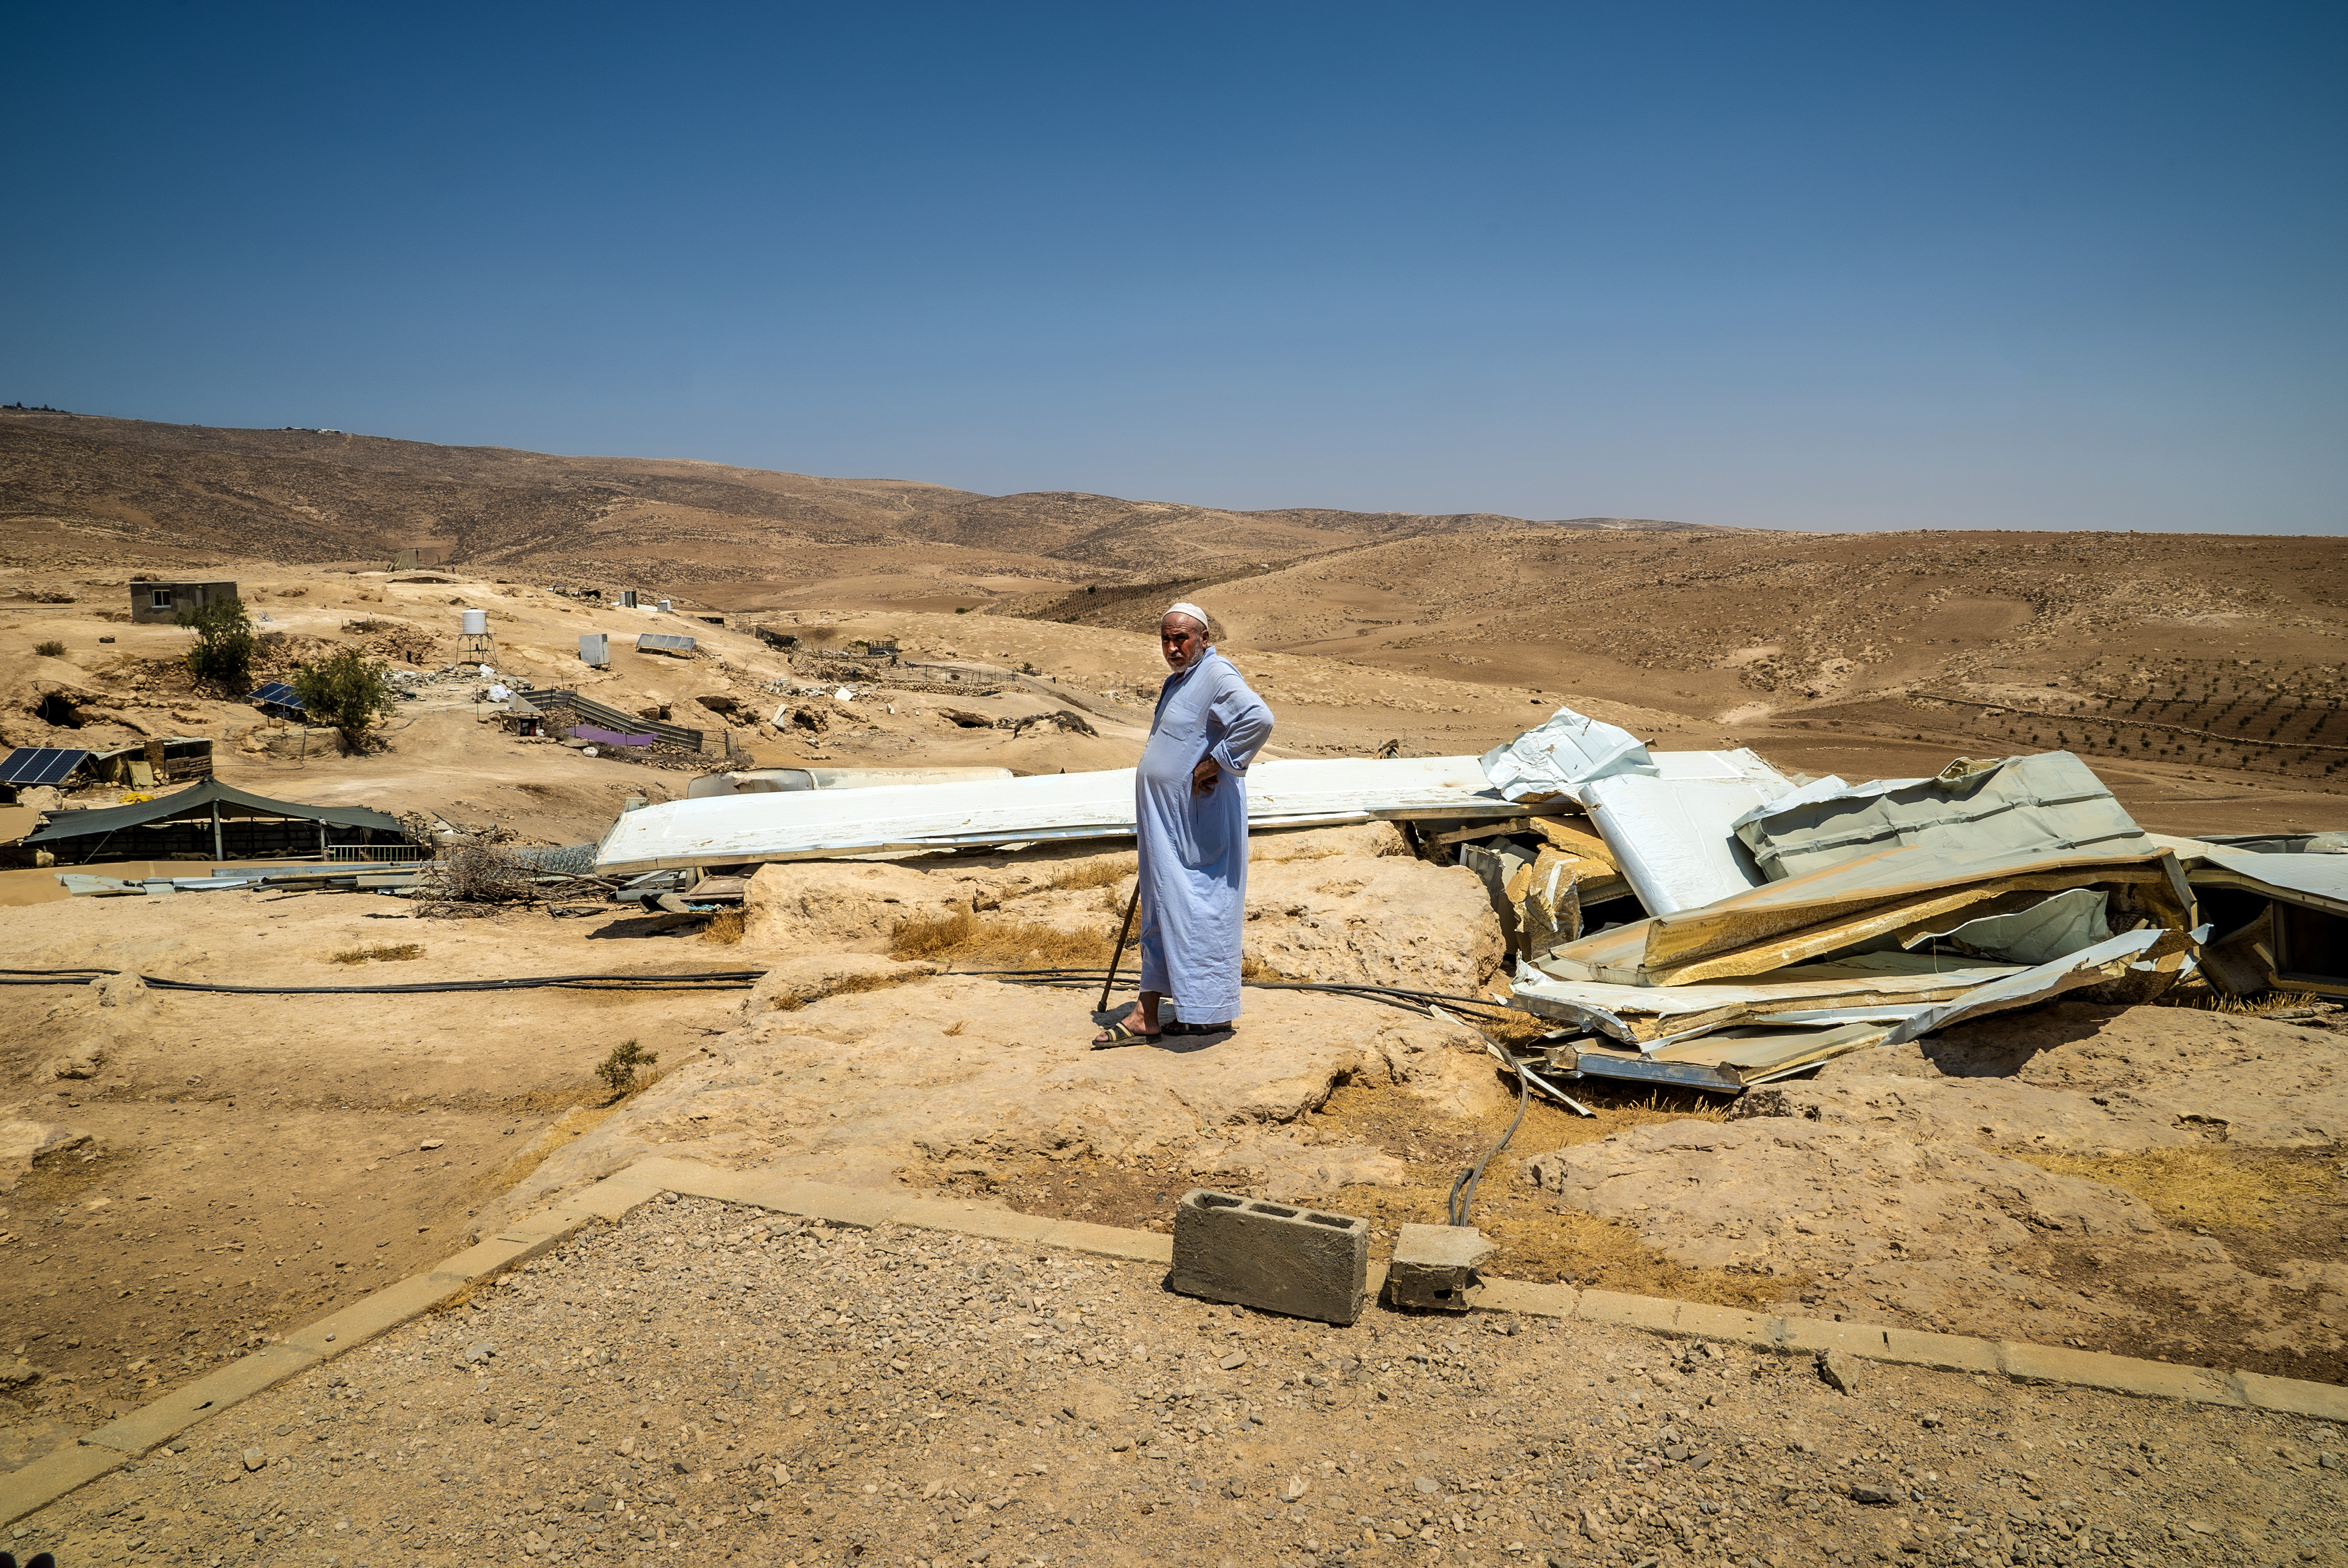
(2197, 995)
(382, 953)
(725, 929)
(1087, 874)
(2200, 1186)
(970, 940)
(849, 985)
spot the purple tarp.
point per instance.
(607, 738)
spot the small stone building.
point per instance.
(152, 602)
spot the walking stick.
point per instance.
(1117, 956)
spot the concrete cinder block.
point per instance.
(1273, 1256)
(1434, 1267)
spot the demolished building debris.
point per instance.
(2280, 914)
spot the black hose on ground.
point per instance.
(1463, 1190)
(710, 980)
(74, 977)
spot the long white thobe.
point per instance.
(1194, 850)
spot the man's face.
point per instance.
(1181, 640)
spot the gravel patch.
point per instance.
(708, 1383)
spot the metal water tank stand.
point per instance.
(477, 646)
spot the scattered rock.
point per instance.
(255, 1459)
(1840, 1370)
(84, 1062)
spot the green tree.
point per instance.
(349, 692)
(224, 643)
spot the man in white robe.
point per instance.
(1191, 801)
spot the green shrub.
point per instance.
(52, 649)
(619, 1070)
(347, 691)
(224, 643)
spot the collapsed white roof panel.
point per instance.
(733, 829)
(1670, 830)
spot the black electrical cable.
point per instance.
(1067, 975)
(52, 977)
(715, 979)
(1463, 1190)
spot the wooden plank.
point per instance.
(1487, 830)
(1577, 842)
(1816, 941)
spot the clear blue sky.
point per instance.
(1862, 266)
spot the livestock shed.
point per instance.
(153, 602)
(210, 820)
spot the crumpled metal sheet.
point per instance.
(2049, 799)
(2054, 927)
(1562, 752)
(1886, 985)
(2091, 965)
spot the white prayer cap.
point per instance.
(1192, 611)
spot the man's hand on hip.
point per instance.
(1204, 776)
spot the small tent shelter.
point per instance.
(210, 820)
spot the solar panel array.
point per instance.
(29, 765)
(277, 693)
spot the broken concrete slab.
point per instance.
(1433, 1268)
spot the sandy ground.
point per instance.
(709, 1384)
(223, 1167)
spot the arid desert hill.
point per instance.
(76, 490)
(2203, 672)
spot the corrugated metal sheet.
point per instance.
(662, 642)
(2104, 961)
(730, 829)
(1822, 912)
(2050, 800)
(1637, 1014)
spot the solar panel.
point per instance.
(31, 765)
(277, 693)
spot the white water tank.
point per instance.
(475, 622)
